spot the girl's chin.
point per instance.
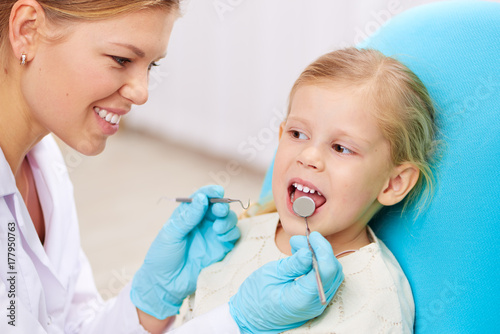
(295, 226)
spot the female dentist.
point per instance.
(74, 68)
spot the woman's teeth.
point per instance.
(305, 189)
(107, 116)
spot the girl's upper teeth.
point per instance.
(107, 116)
(305, 189)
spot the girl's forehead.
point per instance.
(360, 91)
(332, 94)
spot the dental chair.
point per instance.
(451, 252)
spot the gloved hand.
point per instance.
(196, 235)
(274, 299)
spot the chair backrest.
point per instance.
(450, 253)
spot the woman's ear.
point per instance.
(402, 180)
(26, 19)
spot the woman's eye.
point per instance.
(153, 64)
(298, 135)
(121, 61)
(341, 149)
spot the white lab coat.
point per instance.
(49, 288)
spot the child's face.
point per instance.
(331, 143)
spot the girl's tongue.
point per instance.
(319, 200)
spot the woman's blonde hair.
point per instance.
(67, 11)
(402, 107)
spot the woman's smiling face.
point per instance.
(332, 150)
(79, 87)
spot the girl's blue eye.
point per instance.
(298, 135)
(121, 61)
(341, 149)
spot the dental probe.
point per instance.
(212, 200)
(304, 207)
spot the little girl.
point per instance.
(359, 135)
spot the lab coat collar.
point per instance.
(8, 187)
(56, 197)
(29, 237)
(56, 191)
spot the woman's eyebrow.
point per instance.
(133, 48)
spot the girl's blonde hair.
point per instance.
(402, 107)
(67, 11)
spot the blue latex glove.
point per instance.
(276, 298)
(196, 235)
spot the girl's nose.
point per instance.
(136, 89)
(311, 157)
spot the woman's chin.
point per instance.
(95, 151)
(89, 147)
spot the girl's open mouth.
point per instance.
(296, 190)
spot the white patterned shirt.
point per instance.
(375, 296)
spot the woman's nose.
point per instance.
(136, 89)
(311, 157)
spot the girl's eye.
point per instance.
(341, 149)
(153, 64)
(298, 135)
(121, 61)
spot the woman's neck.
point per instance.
(19, 132)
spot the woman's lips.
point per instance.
(106, 127)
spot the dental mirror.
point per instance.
(304, 206)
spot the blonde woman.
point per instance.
(74, 68)
(359, 135)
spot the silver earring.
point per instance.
(23, 59)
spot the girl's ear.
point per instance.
(26, 19)
(402, 180)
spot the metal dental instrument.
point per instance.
(212, 200)
(304, 207)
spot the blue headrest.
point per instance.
(450, 252)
